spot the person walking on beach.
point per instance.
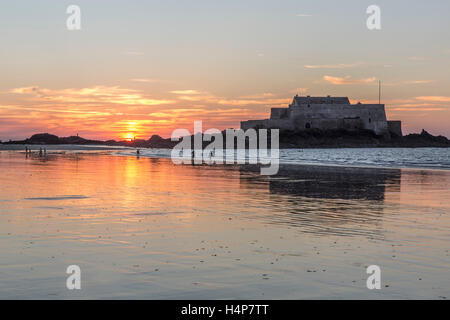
(40, 152)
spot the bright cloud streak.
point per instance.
(186, 92)
(434, 98)
(93, 94)
(347, 80)
(333, 66)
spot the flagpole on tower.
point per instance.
(379, 91)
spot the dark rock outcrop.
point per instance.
(357, 139)
(43, 138)
(158, 142)
(340, 138)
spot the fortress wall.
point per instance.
(305, 123)
(352, 124)
(373, 116)
(302, 123)
(376, 111)
(395, 127)
(326, 116)
(299, 101)
(278, 113)
(245, 125)
(284, 124)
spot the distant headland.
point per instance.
(50, 139)
(313, 138)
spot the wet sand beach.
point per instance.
(144, 228)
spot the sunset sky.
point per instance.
(138, 68)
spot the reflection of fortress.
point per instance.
(336, 182)
(328, 113)
(332, 182)
(325, 200)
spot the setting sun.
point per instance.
(129, 136)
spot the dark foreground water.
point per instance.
(144, 228)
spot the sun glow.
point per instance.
(129, 136)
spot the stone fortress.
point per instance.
(328, 113)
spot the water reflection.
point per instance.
(327, 200)
(332, 182)
(318, 200)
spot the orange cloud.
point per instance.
(333, 66)
(185, 92)
(347, 80)
(97, 94)
(434, 98)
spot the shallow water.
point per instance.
(426, 158)
(143, 228)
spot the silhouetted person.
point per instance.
(193, 157)
(40, 152)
